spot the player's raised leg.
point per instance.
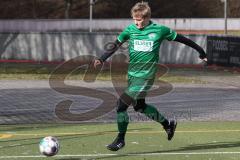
(151, 112)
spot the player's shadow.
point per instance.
(189, 148)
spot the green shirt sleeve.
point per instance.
(168, 33)
(124, 36)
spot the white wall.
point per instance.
(67, 45)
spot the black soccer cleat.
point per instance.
(170, 129)
(116, 144)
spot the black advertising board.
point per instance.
(223, 50)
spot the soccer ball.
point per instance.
(49, 146)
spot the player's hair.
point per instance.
(141, 9)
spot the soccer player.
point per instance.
(144, 38)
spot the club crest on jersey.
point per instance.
(152, 35)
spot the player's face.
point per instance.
(140, 22)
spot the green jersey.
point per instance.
(144, 47)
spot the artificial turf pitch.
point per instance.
(146, 141)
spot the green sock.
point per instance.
(122, 121)
(151, 112)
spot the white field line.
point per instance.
(127, 154)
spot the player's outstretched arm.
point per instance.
(180, 38)
(107, 53)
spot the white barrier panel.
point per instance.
(67, 45)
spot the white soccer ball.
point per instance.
(49, 146)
